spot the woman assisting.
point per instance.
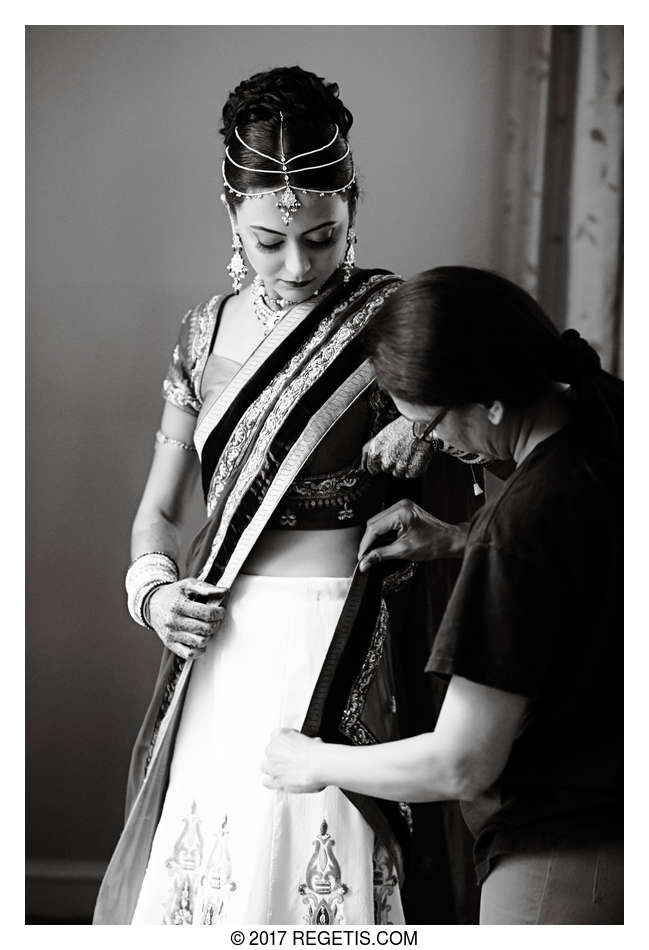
(529, 737)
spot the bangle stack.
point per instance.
(144, 576)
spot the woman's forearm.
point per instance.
(161, 514)
(414, 770)
(466, 753)
(155, 533)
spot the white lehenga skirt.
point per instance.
(227, 850)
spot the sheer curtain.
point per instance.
(562, 238)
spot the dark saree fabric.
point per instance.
(372, 687)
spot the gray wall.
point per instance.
(125, 232)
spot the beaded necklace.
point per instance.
(267, 315)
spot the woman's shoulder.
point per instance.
(544, 503)
(197, 328)
(181, 385)
(199, 314)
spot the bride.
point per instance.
(270, 398)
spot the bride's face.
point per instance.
(294, 260)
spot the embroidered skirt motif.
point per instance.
(227, 850)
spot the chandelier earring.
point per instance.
(349, 260)
(237, 268)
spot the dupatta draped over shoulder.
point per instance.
(253, 439)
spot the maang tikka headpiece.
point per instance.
(287, 202)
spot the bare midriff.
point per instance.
(297, 553)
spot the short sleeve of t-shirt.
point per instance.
(502, 620)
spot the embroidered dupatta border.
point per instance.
(212, 414)
(288, 345)
(302, 395)
(248, 430)
(316, 430)
(259, 474)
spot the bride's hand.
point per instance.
(396, 451)
(291, 762)
(186, 615)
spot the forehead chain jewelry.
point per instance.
(287, 202)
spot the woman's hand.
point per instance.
(291, 762)
(419, 536)
(396, 451)
(186, 615)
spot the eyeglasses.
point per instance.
(423, 431)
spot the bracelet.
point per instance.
(162, 439)
(144, 604)
(146, 573)
(149, 553)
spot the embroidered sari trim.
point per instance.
(351, 724)
(314, 433)
(285, 352)
(212, 414)
(296, 411)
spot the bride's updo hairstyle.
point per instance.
(453, 336)
(311, 110)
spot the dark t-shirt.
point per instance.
(537, 610)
